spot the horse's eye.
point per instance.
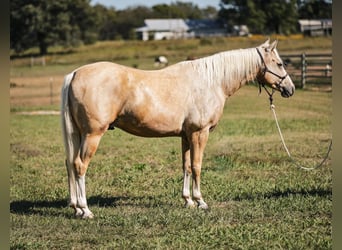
(280, 64)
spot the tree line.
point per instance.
(69, 23)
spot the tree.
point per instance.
(281, 16)
(106, 22)
(262, 16)
(129, 19)
(185, 10)
(44, 23)
(319, 9)
(22, 25)
(235, 12)
(277, 16)
(83, 18)
(209, 12)
(256, 17)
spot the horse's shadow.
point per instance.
(39, 207)
(278, 194)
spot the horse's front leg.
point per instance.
(187, 172)
(197, 145)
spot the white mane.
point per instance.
(228, 67)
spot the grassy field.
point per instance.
(258, 199)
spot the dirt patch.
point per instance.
(24, 150)
(40, 112)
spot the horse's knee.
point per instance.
(80, 167)
(196, 170)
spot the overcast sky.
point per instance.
(123, 4)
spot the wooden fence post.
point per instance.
(303, 71)
(43, 61)
(51, 90)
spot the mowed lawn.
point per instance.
(258, 199)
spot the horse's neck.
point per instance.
(238, 68)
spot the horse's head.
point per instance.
(272, 71)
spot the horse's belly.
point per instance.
(148, 129)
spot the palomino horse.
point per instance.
(185, 100)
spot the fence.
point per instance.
(309, 69)
(305, 70)
(35, 91)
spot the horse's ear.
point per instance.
(266, 44)
(274, 45)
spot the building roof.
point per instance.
(198, 24)
(164, 24)
(315, 24)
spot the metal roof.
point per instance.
(164, 24)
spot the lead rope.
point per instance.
(284, 144)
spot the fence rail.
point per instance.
(309, 68)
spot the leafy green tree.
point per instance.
(23, 19)
(129, 19)
(256, 17)
(315, 9)
(44, 23)
(106, 22)
(261, 16)
(82, 16)
(209, 12)
(186, 10)
(281, 17)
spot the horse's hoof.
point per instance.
(189, 204)
(78, 213)
(88, 216)
(83, 213)
(203, 205)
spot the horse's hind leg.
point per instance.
(72, 148)
(72, 188)
(88, 148)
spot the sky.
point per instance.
(123, 4)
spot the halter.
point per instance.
(266, 70)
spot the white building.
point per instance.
(159, 29)
(315, 27)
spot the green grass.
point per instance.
(258, 199)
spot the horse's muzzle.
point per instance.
(287, 91)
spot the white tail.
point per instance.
(72, 141)
(71, 135)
